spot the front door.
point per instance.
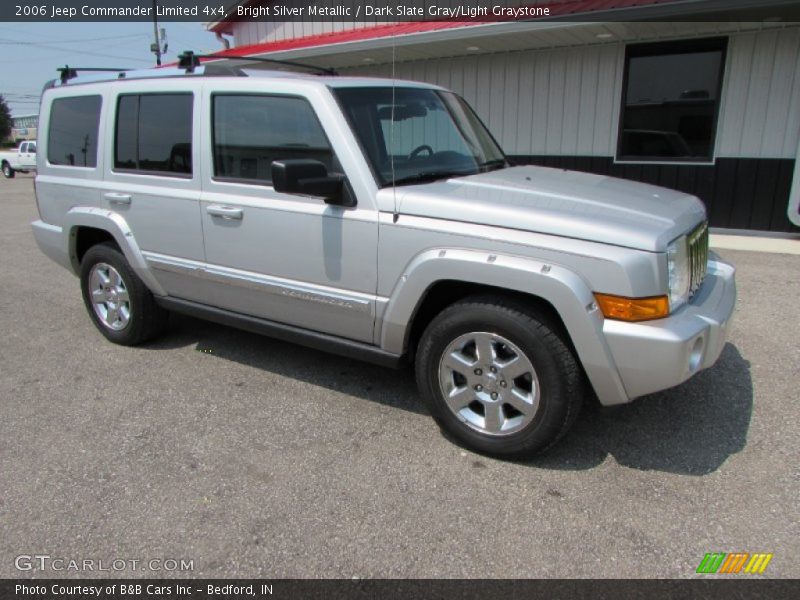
(287, 258)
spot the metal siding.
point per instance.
(567, 101)
(536, 101)
(555, 116)
(761, 95)
(526, 111)
(541, 101)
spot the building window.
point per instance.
(154, 133)
(252, 131)
(670, 101)
(72, 136)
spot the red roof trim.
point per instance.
(558, 8)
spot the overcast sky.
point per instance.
(31, 52)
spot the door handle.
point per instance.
(226, 212)
(117, 198)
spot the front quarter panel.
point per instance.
(567, 292)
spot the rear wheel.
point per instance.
(498, 377)
(8, 172)
(119, 303)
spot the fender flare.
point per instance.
(114, 224)
(564, 289)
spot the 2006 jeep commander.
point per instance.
(378, 219)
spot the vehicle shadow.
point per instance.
(691, 429)
(395, 388)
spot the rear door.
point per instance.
(152, 178)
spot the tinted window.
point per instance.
(154, 133)
(32, 147)
(670, 101)
(250, 132)
(412, 135)
(72, 136)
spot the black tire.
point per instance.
(559, 376)
(8, 172)
(146, 319)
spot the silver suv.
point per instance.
(377, 219)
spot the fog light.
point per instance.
(633, 309)
(696, 355)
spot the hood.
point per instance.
(557, 202)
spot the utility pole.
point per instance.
(156, 46)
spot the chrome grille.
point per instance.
(698, 256)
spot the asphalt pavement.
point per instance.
(248, 457)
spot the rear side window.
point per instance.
(72, 134)
(252, 131)
(154, 133)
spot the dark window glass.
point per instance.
(414, 135)
(72, 137)
(250, 132)
(127, 119)
(671, 100)
(154, 133)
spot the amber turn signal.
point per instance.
(633, 309)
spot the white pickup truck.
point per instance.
(23, 159)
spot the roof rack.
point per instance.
(188, 61)
(68, 72)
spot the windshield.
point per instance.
(413, 135)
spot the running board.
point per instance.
(287, 333)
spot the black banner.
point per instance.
(742, 587)
(378, 11)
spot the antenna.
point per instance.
(396, 214)
(188, 60)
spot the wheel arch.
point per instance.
(437, 278)
(86, 226)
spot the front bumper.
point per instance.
(656, 355)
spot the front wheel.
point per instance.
(8, 172)
(498, 377)
(119, 303)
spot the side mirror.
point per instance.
(311, 178)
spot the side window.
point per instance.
(32, 147)
(23, 147)
(154, 133)
(72, 133)
(670, 101)
(251, 131)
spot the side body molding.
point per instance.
(567, 292)
(115, 224)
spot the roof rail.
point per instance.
(188, 61)
(68, 72)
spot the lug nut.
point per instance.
(494, 395)
(503, 384)
(478, 387)
(478, 372)
(493, 369)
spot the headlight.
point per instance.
(679, 276)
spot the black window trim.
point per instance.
(686, 46)
(212, 114)
(97, 157)
(144, 172)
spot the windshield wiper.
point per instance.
(428, 176)
(494, 164)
